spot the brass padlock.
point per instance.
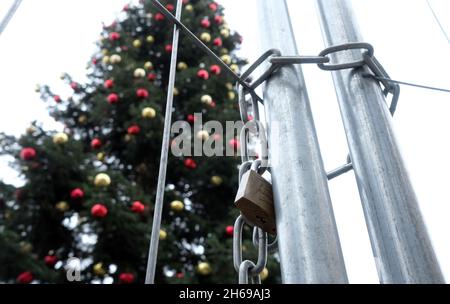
(255, 201)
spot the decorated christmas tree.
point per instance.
(89, 190)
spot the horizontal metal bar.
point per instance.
(339, 171)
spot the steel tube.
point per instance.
(156, 225)
(308, 241)
(400, 243)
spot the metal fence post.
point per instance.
(400, 242)
(308, 241)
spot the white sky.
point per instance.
(46, 38)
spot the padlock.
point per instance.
(255, 201)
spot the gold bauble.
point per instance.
(182, 65)
(205, 37)
(105, 52)
(264, 274)
(229, 86)
(62, 76)
(115, 59)
(105, 59)
(150, 39)
(62, 206)
(30, 130)
(82, 119)
(176, 92)
(203, 268)
(177, 206)
(25, 247)
(234, 68)
(226, 58)
(206, 99)
(148, 65)
(102, 180)
(128, 137)
(203, 135)
(99, 270)
(139, 73)
(231, 95)
(137, 43)
(60, 138)
(224, 51)
(37, 88)
(189, 8)
(148, 112)
(162, 235)
(216, 180)
(225, 33)
(100, 156)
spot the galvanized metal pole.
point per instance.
(156, 225)
(400, 242)
(308, 241)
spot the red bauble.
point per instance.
(28, 153)
(191, 118)
(203, 74)
(96, 143)
(218, 19)
(109, 83)
(215, 69)
(205, 23)
(114, 36)
(159, 17)
(142, 93)
(126, 7)
(213, 6)
(217, 42)
(113, 98)
(170, 7)
(76, 194)
(134, 129)
(250, 117)
(74, 85)
(126, 278)
(50, 260)
(179, 275)
(25, 277)
(94, 61)
(212, 104)
(57, 99)
(229, 231)
(168, 48)
(151, 77)
(138, 207)
(99, 210)
(190, 163)
(234, 143)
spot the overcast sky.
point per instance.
(47, 37)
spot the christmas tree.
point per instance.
(89, 190)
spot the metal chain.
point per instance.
(249, 271)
